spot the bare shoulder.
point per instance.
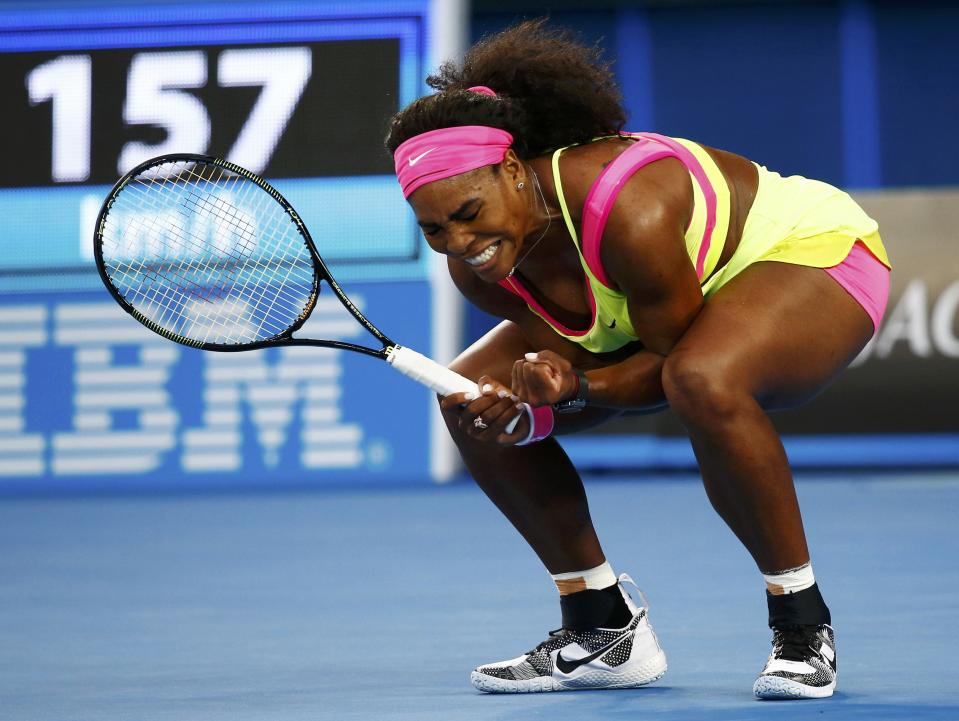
(652, 209)
(580, 166)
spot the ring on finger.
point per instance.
(478, 422)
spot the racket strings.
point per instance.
(184, 239)
(160, 296)
(203, 290)
(208, 255)
(200, 204)
(271, 266)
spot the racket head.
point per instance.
(207, 254)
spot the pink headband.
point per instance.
(443, 153)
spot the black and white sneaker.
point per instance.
(801, 665)
(570, 660)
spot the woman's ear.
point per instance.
(513, 167)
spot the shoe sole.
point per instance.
(777, 687)
(640, 675)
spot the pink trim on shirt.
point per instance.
(602, 196)
(599, 203)
(514, 286)
(709, 194)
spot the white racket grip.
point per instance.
(434, 376)
(431, 374)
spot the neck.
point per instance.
(539, 206)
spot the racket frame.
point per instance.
(420, 368)
(321, 273)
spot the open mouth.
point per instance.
(485, 256)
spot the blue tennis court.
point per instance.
(376, 604)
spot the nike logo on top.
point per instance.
(568, 667)
(418, 158)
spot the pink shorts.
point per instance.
(866, 279)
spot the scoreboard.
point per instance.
(297, 91)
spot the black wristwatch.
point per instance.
(578, 401)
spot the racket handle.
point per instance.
(436, 377)
(431, 374)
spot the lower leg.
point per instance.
(539, 491)
(747, 478)
(537, 488)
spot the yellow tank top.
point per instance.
(611, 327)
(792, 220)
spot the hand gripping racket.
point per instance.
(210, 255)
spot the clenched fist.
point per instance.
(543, 378)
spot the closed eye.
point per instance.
(458, 214)
(430, 230)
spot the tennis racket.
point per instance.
(210, 255)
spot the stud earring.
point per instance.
(520, 185)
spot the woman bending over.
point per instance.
(632, 271)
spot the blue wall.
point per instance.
(859, 94)
(919, 97)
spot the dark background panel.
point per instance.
(764, 78)
(760, 81)
(353, 93)
(336, 128)
(918, 72)
(595, 25)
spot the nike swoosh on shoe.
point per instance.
(568, 666)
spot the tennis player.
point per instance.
(633, 271)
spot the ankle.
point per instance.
(595, 608)
(802, 608)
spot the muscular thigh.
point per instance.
(783, 331)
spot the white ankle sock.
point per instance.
(596, 578)
(790, 581)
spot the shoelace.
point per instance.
(552, 635)
(793, 643)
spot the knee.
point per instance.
(702, 389)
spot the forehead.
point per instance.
(442, 197)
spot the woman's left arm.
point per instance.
(644, 254)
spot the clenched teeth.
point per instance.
(481, 258)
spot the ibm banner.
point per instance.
(86, 391)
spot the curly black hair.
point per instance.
(551, 91)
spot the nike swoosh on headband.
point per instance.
(568, 667)
(418, 158)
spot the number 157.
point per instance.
(156, 95)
